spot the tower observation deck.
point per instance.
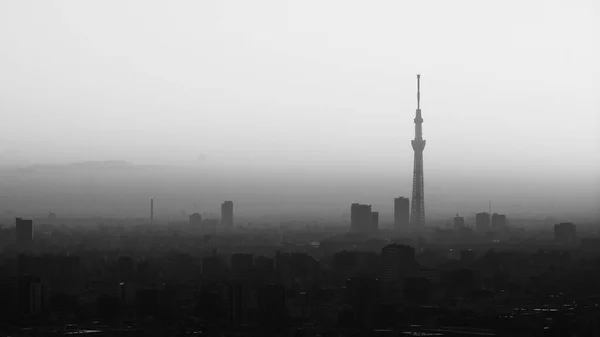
(417, 212)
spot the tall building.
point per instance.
(195, 220)
(32, 294)
(374, 221)
(360, 218)
(458, 222)
(418, 144)
(401, 213)
(227, 214)
(24, 230)
(482, 222)
(565, 232)
(397, 263)
(499, 223)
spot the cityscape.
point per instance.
(244, 169)
(212, 276)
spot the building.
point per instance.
(401, 213)
(374, 222)
(360, 218)
(227, 215)
(417, 211)
(458, 222)
(482, 222)
(397, 262)
(272, 303)
(565, 232)
(24, 230)
(32, 295)
(499, 223)
(363, 296)
(241, 263)
(467, 255)
(195, 220)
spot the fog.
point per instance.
(123, 190)
(299, 107)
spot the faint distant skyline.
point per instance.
(510, 91)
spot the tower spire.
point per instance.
(418, 91)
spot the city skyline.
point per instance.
(234, 168)
(301, 107)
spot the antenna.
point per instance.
(418, 91)
(490, 207)
(151, 211)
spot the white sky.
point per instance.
(508, 87)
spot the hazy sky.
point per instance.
(509, 88)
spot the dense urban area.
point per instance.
(211, 277)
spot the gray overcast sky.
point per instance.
(508, 87)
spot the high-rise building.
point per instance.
(418, 144)
(32, 294)
(360, 218)
(458, 222)
(482, 222)
(195, 220)
(401, 213)
(499, 223)
(397, 263)
(565, 232)
(24, 230)
(227, 214)
(374, 221)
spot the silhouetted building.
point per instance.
(363, 296)
(195, 220)
(374, 222)
(482, 222)
(458, 222)
(32, 294)
(499, 223)
(227, 215)
(401, 213)
(24, 229)
(418, 144)
(241, 263)
(360, 218)
(397, 261)
(565, 232)
(272, 303)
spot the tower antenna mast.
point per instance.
(418, 91)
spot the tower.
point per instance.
(417, 211)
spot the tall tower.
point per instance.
(417, 216)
